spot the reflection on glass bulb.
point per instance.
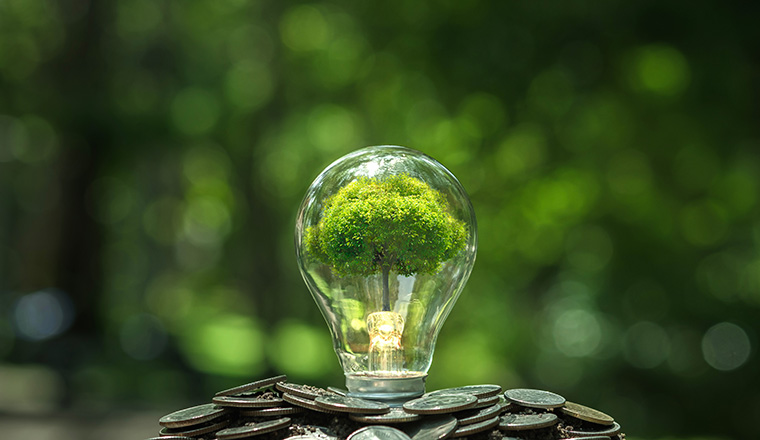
(385, 239)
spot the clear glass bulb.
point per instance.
(386, 239)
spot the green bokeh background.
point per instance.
(153, 155)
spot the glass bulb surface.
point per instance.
(386, 239)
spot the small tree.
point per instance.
(382, 225)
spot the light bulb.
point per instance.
(385, 239)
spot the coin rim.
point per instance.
(445, 410)
(532, 404)
(381, 408)
(474, 428)
(585, 417)
(306, 403)
(197, 430)
(253, 386)
(375, 419)
(218, 412)
(275, 425)
(613, 429)
(462, 390)
(272, 412)
(366, 428)
(480, 415)
(285, 387)
(247, 402)
(546, 424)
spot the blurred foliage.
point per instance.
(153, 155)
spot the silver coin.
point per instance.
(340, 403)
(306, 403)
(591, 437)
(431, 428)
(478, 415)
(534, 398)
(253, 386)
(395, 415)
(485, 425)
(585, 413)
(171, 437)
(247, 402)
(305, 391)
(612, 430)
(378, 433)
(524, 422)
(440, 404)
(479, 391)
(196, 430)
(254, 429)
(486, 401)
(271, 412)
(340, 391)
(192, 416)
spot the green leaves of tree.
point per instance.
(398, 223)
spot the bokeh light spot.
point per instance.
(660, 69)
(229, 345)
(195, 111)
(301, 350)
(207, 221)
(249, 85)
(703, 223)
(522, 150)
(726, 346)
(577, 333)
(646, 345)
(304, 28)
(43, 314)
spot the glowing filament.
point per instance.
(385, 351)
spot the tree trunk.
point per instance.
(386, 290)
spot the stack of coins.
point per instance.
(275, 409)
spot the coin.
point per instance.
(195, 431)
(479, 391)
(253, 429)
(253, 386)
(486, 401)
(305, 391)
(378, 433)
(612, 430)
(336, 402)
(247, 402)
(340, 391)
(585, 413)
(192, 416)
(395, 415)
(591, 437)
(475, 428)
(477, 415)
(524, 422)
(306, 403)
(170, 437)
(271, 412)
(440, 404)
(431, 428)
(534, 398)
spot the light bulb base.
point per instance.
(393, 389)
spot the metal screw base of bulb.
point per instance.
(393, 390)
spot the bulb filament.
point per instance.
(385, 351)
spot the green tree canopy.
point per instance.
(381, 225)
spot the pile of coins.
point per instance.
(274, 409)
